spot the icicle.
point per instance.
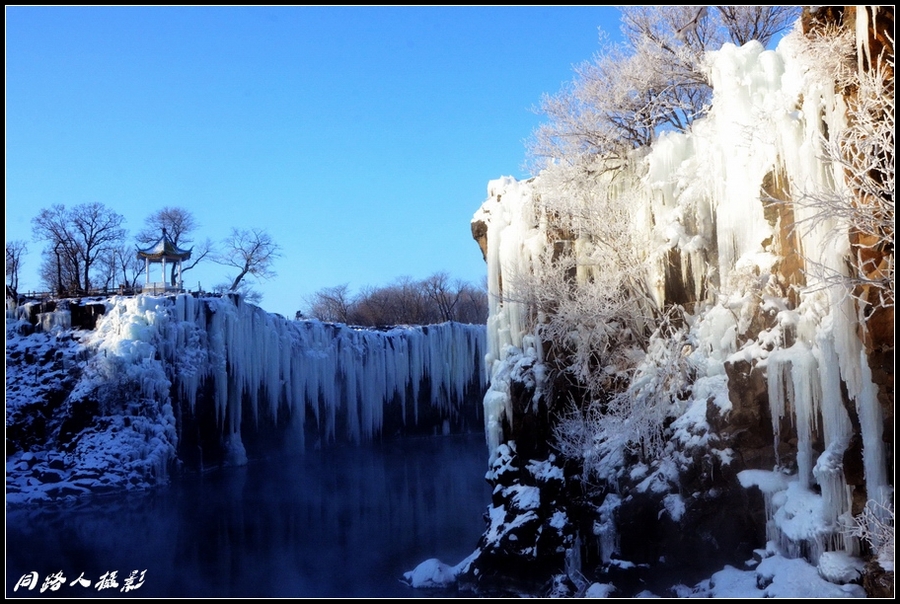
(836, 494)
(807, 393)
(780, 392)
(606, 530)
(335, 372)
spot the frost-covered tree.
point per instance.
(654, 79)
(763, 23)
(588, 292)
(876, 526)
(630, 418)
(863, 204)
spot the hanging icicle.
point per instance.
(248, 356)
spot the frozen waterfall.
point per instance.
(340, 377)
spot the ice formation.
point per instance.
(264, 359)
(700, 193)
(169, 352)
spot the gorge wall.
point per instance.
(758, 413)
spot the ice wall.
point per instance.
(250, 357)
(703, 193)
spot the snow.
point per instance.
(673, 505)
(545, 471)
(600, 590)
(840, 567)
(524, 497)
(148, 352)
(661, 480)
(431, 573)
(795, 578)
(768, 482)
(699, 193)
(774, 577)
(778, 577)
(499, 526)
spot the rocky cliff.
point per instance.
(739, 398)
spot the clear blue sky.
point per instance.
(361, 138)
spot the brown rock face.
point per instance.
(479, 234)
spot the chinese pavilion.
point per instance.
(164, 251)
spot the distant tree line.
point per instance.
(87, 248)
(435, 299)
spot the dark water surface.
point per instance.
(344, 522)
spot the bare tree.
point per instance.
(331, 304)
(61, 261)
(763, 23)
(179, 224)
(60, 269)
(376, 306)
(126, 266)
(442, 294)
(104, 276)
(473, 304)
(77, 239)
(412, 303)
(403, 302)
(14, 252)
(251, 251)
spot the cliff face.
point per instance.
(755, 402)
(116, 393)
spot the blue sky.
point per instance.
(361, 138)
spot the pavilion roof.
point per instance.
(164, 248)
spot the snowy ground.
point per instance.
(774, 577)
(64, 439)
